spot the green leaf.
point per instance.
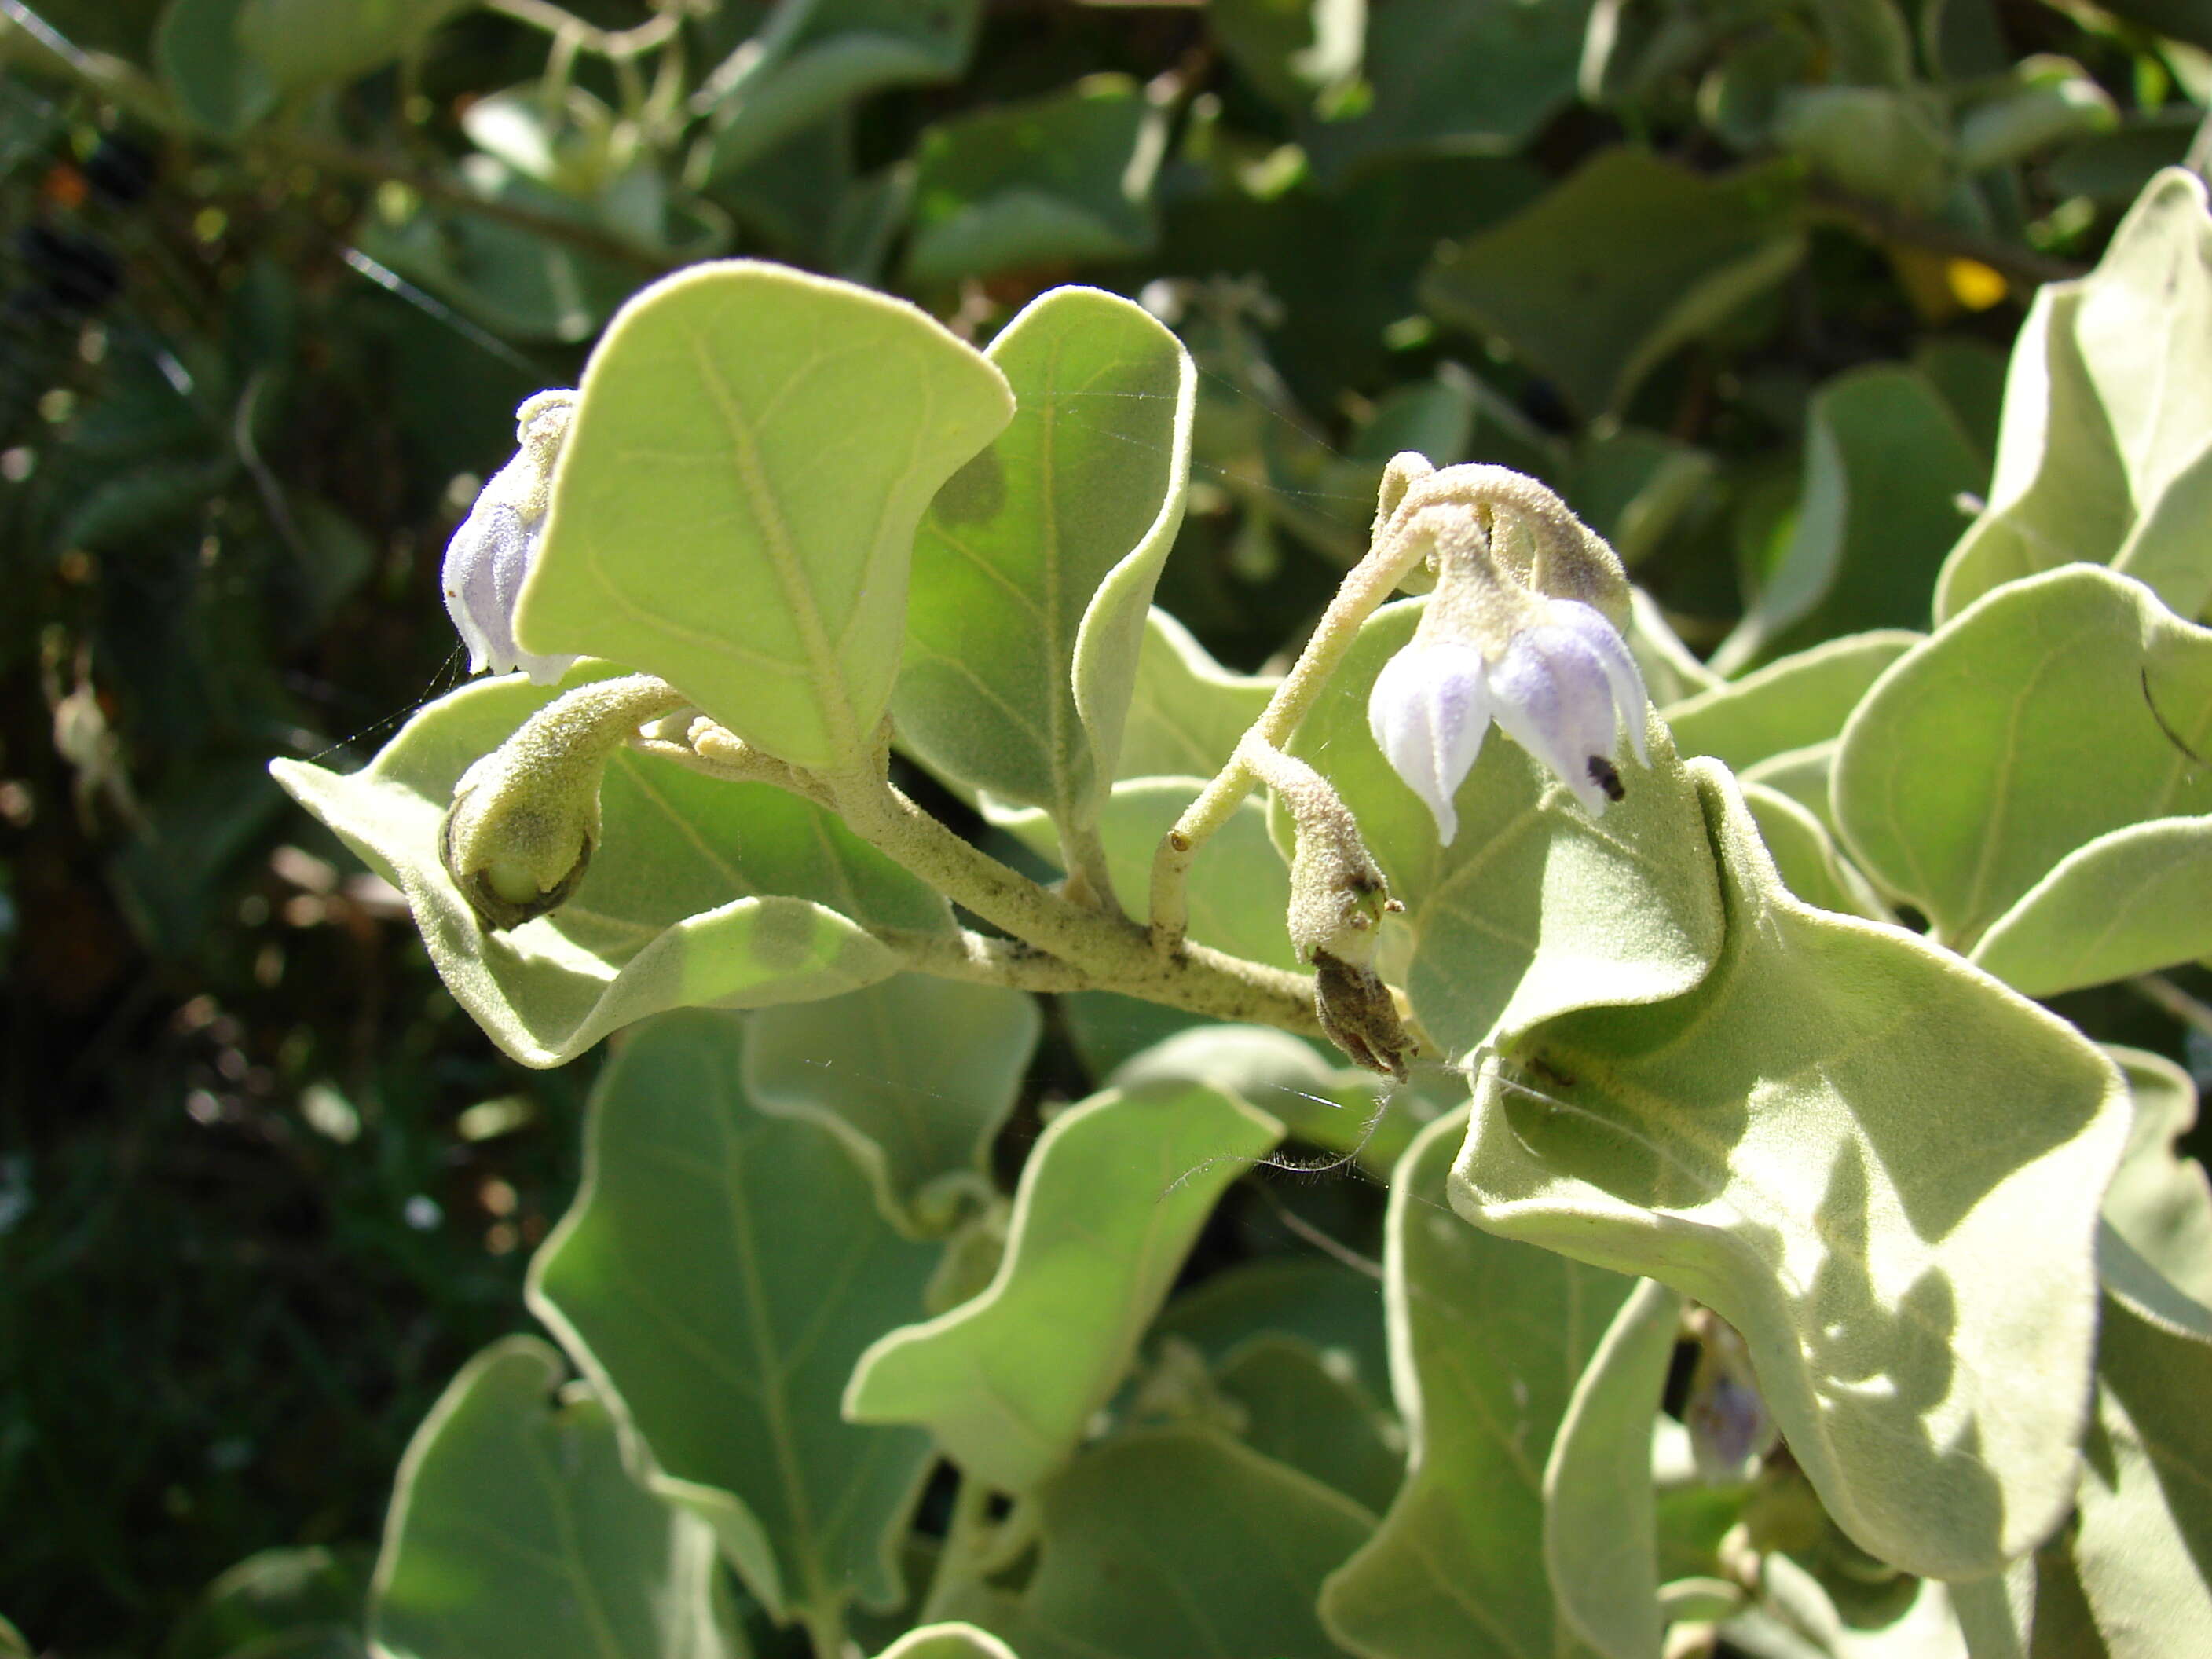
(2105, 451)
(1057, 180)
(1630, 258)
(1633, 486)
(1186, 713)
(1336, 1309)
(917, 1074)
(700, 891)
(218, 87)
(2160, 1202)
(515, 1529)
(1601, 1533)
(1109, 1202)
(1304, 1412)
(1885, 461)
(1293, 50)
(1523, 914)
(1877, 1163)
(1486, 1340)
(304, 43)
(735, 506)
(1891, 144)
(719, 1272)
(812, 58)
(953, 1641)
(278, 1604)
(1807, 858)
(2129, 902)
(1035, 565)
(1460, 76)
(1790, 703)
(1171, 1541)
(2145, 1530)
(2027, 728)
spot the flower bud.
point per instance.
(491, 553)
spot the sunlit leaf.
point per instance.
(719, 1272)
(2160, 1202)
(1110, 1199)
(1186, 711)
(1486, 1340)
(1796, 701)
(701, 892)
(515, 1528)
(301, 43)
(953, 1641)
(1806, 856)
(1828, 1142)
(770, 439)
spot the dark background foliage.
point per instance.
(261, 1187)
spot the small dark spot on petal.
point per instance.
(1607, 777)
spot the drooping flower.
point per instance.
(1560, 681)
(491, 553)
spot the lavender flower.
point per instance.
(491, 552)
(1561, 685)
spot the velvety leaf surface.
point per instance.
(1807, 857)
(916, 1073)
(2106, 451)
(1600, 1536)
(2129, 902)
(1535, 906)
(1870, 1159)
(1487, 1339)
(953, 1641)
(1336, 1309)
(219, 87)
(302, 43)
(1307, 1413)
(1175, 1541)
(1457, 75)
(1110, 1199)
(814, 56)
(1186, 711)
(515, 1528)
(304, 1602)
(1791, 702)
(701, 892)
(770, 439)
(2161, 1201)
(1056, 181)
(1885, 460)
(1964, 777)
(1034, 566)
(718, 1275)
(2144, 1535)
(1608, 273)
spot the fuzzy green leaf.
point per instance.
(2160, 1202)
(701, 892)
(953, 1641)
(304, 43)
(1486, 1340)
(916, 1073)
(1806, 856)
(515, 1528)
(735, 506)
(1186, 711)
(1301, 1409)
(1789, 703)
(718, 1275)
(2027, 728)
(2106, 451)
(2130, 901)
(1629, 260)
(1109, 1202)
(1600, 1533)
(1876, 1163)
(1034, 566)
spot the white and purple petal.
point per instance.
(1429, 711)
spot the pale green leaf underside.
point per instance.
(734, 508)
(917, 1073)
(1811, 865)
(1186, 711)
(1789, 703)
(718, 1275)
(2160, 1202)
(1170, 1542)
(1878, 1165)
(1305, 1413)
(701, 892)
(515, 1529)
(1487, 1339)
(1601, 1535)
(2129, 902)
(1535, 906)
(2024, 729)
(2105, 452)
(1035, 565)
(1109, 1202)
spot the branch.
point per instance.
(1879, 222)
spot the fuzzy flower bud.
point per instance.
(1505, 639)
(491, 552)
